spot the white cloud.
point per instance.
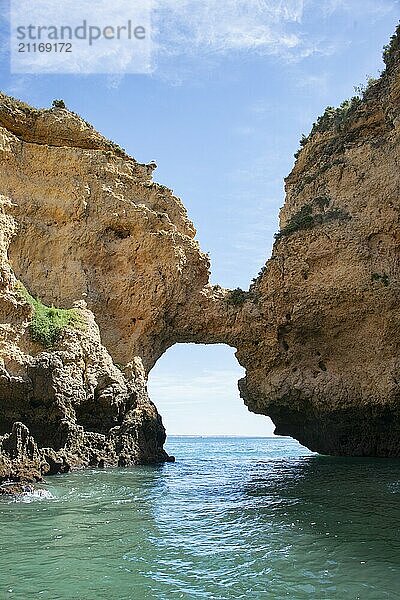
(372, 7)
(212, 28)
(220, 384)
(197, 27)
(192, 35)
(81, 34)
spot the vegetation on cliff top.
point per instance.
(58, 104)
(237, 297)
(392, 50)
(48, 322)
(332, 119)
(336, 119)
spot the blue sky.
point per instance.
(233, 86)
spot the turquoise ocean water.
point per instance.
(232, 518)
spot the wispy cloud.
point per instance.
(216, 27)
(98, 36)
(372, 7)
(219, 384)
(195, 35)
(211, 28)
(180, 28)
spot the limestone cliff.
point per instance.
(64, 404)
(103, 230)
(326, 365)
(83, 225)
(68, 406)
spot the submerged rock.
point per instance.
(15, 489)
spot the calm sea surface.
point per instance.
(233, 518)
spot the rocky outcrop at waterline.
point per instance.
(64, 403)
(101, 273)
(69, 406)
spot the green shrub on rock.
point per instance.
(48, 322)
(237, 297)
(58, 104)
(310, 215)
(392, 49)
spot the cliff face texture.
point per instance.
(318, 332)
(84, 227)
(68, 406)
(64, 403)
(326, 367)
(102, 230)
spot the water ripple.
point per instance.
(252, 519)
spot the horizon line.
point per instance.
(206, 435)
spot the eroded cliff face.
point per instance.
(326, 368)
(103, 230)
(69, 406)
(84, 225)
(66, 406)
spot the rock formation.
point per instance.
(318, 330)
(84, 227)
(68, 405)
(326, 366)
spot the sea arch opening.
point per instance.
(194, 387)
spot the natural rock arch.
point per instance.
(318, 331)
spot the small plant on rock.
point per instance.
(237, 297)
(303, 219)
(383, 277)
(310, 215)
(58, 104)
(48, 322)
(391, 50)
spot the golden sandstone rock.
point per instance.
(83, 224)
